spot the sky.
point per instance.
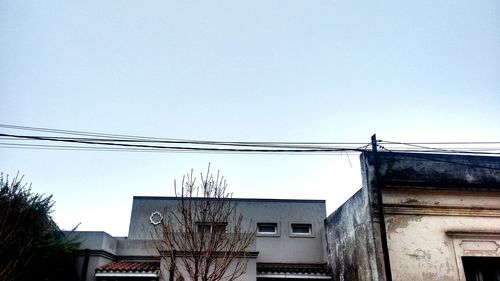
(314, 71)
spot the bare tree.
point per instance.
(203, 237)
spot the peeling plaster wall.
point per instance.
(420, 249)
(419, 224)
(427, 197)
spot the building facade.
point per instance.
(289, 242)
(441, 214)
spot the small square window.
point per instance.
(267, 228)
(301, 229)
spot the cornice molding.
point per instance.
(474, 211)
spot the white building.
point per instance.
(289, 244)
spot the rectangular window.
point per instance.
(219, 227)
(267, 228)
(202, 227)
(301, 229)
(207, 227)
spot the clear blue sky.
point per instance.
(336, 70)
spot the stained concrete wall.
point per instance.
(350, 241)
(437, 171)
(353, 234)
(438, 208)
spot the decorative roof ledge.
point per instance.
(129, 269)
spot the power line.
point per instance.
(456, 142)
(123, 149)
(422, 156)
(422, 148)
(121, 142)
(171, 140)
(174, 142)
(189, 148)
(418, 155)
(108, 135)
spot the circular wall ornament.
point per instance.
(155, 218)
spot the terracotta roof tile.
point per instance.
(130, 266)
(300, 268)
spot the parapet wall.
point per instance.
(437, 170)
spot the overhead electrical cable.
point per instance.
(423, 157)
(172, 140)
(128, 149)
(120, 142)
(422, 148)
(110, 143)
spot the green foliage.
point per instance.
(32, 247)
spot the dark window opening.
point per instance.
(267, 228)
(206, 227)
(219, 227)
(301, 228)
(203, 227)
(481, 268)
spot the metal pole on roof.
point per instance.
(381, 215)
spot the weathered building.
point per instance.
(289, 244)
(442, 217)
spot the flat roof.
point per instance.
(237, 199)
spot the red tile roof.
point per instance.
(294, 268)
(130, 266)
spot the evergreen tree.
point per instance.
(32, 247)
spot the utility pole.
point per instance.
(381, 215)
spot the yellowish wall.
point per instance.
(428, 231)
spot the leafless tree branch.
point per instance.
(204, 234)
